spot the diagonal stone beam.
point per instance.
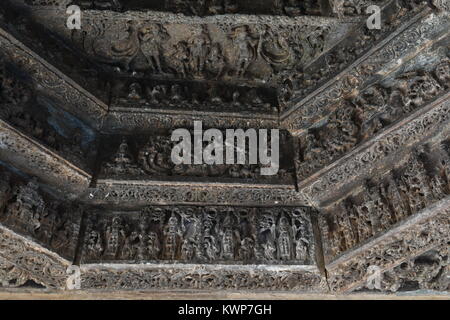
(32, 158)
(22, 260)
(432, 120)
(408, 41)
(417, 234)
(52, 83)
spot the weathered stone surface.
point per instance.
(360, 202)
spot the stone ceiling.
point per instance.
(85, 123)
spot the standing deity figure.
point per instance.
(396, 200)
(115, 234)
(171, 238)
(228, 239)
(29, 207)
(149, 37)
(94, 245)
(346, 230)
(153, 246)
(243, 50)
(284, 239)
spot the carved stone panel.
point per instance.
(422, 181)
(208, 235)
(26, 209)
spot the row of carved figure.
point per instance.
(363, 116)
(154, 159)
(194, 97)
(196, 234)
(213, 7)
(25, 210)
(424, 180)
(192, 51)
(20, 108)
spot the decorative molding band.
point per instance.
(132, 121)
(199, 277)
(53, 83)
(417, 234)
(32, 158)
(430, 120)
(387, 56)
(22, 260)
(139, 193)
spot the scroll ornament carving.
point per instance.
(21, 260)
(190, 193)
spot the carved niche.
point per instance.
(201, 235)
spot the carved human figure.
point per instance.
(171, 237)
(442, 72)
(153, 246)
(114, 235)
(345, 231)
(149, 37)
(284, 239)
(246, 250)
(122, 162)
(198, 47)
(243, 51)
(396, 200)
(228, 238)
(29, 207)
(5, 190)
(94, 246)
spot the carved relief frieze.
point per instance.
(428, 271)
(405, 191)
(402, 42)
(132, 120)
(417, 235)
(135, 157)
(431, 120)
(202, 277)
(32, 158)
(134, 193)
(193, 95)
(215, 7)
(211, 235)
(363, 116)
(27, 210)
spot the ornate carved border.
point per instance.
(199, 277)
(53, 83)
(417, 234)
(161, 193)
(31, 157)
(22, 260)
(432, 119)
(391, 52)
